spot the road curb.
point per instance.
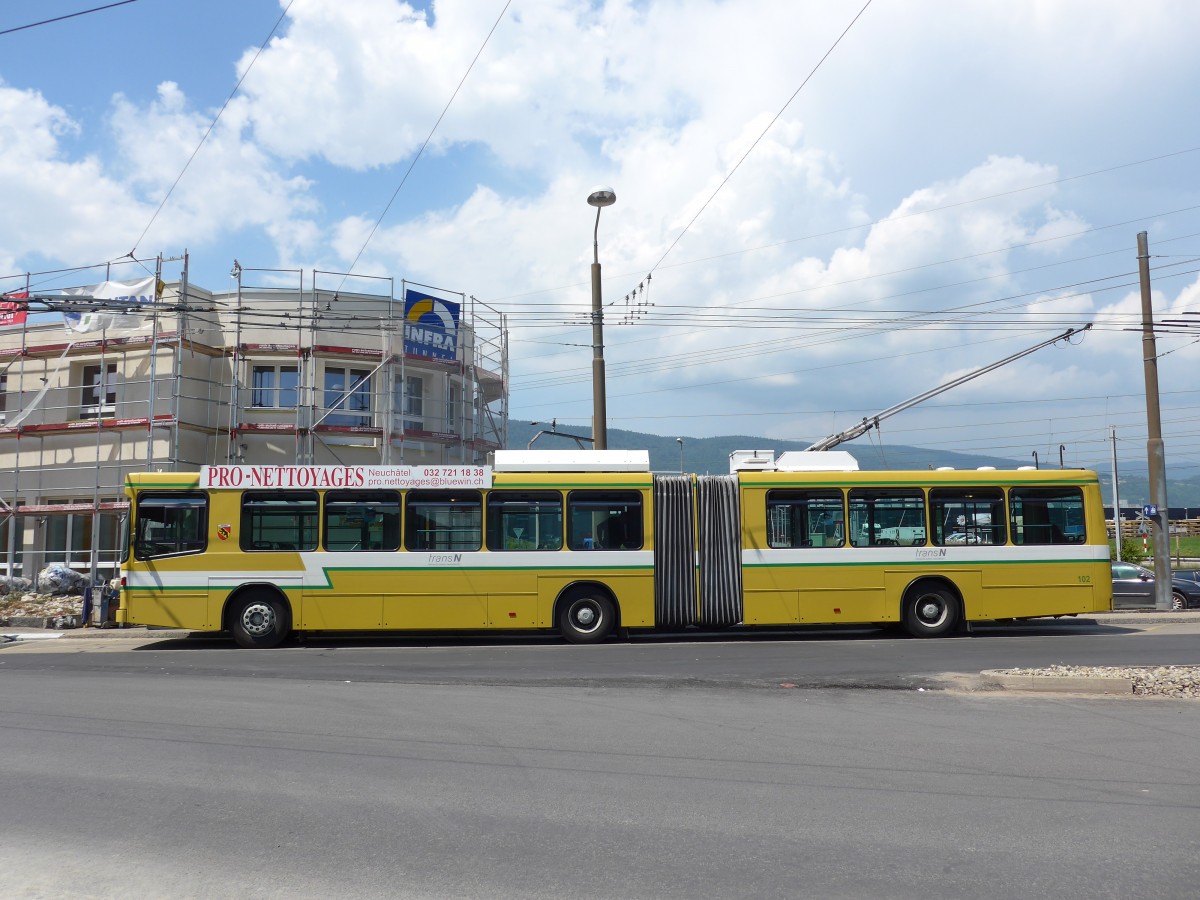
(1091, 684)
(137, 632)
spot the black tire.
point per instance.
(1178, 601)
(260, 620)
(931, 612)
(586, 617)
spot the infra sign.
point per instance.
(430, 326)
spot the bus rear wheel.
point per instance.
(259, 620)
(931, 612)
(586, 617)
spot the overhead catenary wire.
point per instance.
(425, 143)
(209, 130)
(863, 328)
(756, 142)
(84, 12)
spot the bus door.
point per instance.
(165, 583)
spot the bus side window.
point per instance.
(967, 515)
(524, 520)
(887, 517)
(279, 520)
(605, 520)
(443, 520)
(362, 520)
(803, 518)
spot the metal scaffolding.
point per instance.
(287, 366)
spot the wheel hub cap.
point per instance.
(258, 619)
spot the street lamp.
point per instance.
(680, 440)
(599, 198)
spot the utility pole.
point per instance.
(1116, 494)
(1156, 511)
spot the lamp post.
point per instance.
(680, 440)
(599, 198)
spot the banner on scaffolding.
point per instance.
(430, 326)
(122, 305)
(13, 313)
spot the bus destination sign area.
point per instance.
(352, 477)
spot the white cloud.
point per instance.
(54, 208)
(923, 106)
(230, 184)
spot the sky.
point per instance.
(822, 210)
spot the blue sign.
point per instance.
(430, 326)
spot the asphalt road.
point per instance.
(865, 658)
(803, 764)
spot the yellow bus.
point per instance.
(588, 542)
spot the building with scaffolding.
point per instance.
(283, 367)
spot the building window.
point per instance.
(69, 536)
(347, 396)
(12, 540)
(409, 395)
(99, 391)
(452, 406)
(275, 387)
(3, 393)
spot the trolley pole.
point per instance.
(1156, 511)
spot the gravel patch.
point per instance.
(1162, 681)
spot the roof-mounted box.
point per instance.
(816, 461)
(792, 461)
(572, 461)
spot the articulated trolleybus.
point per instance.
(586, 542)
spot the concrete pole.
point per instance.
(1116, 494)
(1155, 456)
(599, 411)
(599, 198)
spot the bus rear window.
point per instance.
(279, 520)
(169, 524)
(1047, 515)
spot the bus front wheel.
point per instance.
(586, 617)
(259, 620)
(931, 612)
